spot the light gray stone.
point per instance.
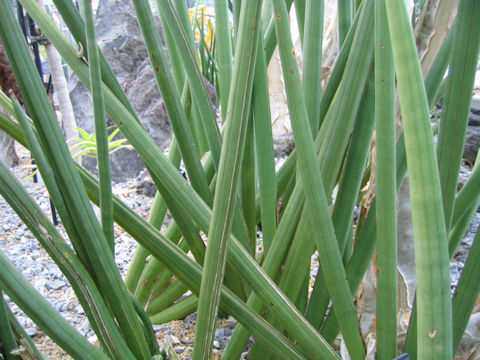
(31, 331)
(172, 339)
(179, 349)
(54, 285)
(7, 150)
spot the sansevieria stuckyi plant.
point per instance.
(306, 207)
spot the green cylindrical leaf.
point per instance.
(100, 257)
(101, 136)
(168, 179)
(456, 103)
(228, 175)
(312, 63)
(264, 150)
(466, 293)
(345, 12)
(434, 336)
(386, 189)
(43, 314)
(223, 54)
(197, 84)
(315, 199)
(7, 337)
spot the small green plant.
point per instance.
(88, 143)
(203, 20)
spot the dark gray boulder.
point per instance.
(474, 112)
(472, 139)
(120, 39)
(472, 143)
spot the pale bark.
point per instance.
(67, 117)
(432, 28)
(63, 97)
(276, 87)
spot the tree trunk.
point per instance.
(63, 97)
(61, 90)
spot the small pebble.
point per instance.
(179, 349)
(31, 331)
(54, 285)
(186, 340)
(172, 339)
(158, 327)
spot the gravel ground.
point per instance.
(21, 247)
(30, 258)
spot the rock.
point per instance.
(475, 105)
(145, 185)
(283, 145)
(472, 142)
(84, 327)
(179, 349)
(7, 150)
(463, 176)
(54, 285)
(172, 339)
(191, 318)
(474, 119)
(63, 306)
(31, 331)
(121, 42)
(158, 327)
(20, 232)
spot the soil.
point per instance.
(49, 348)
